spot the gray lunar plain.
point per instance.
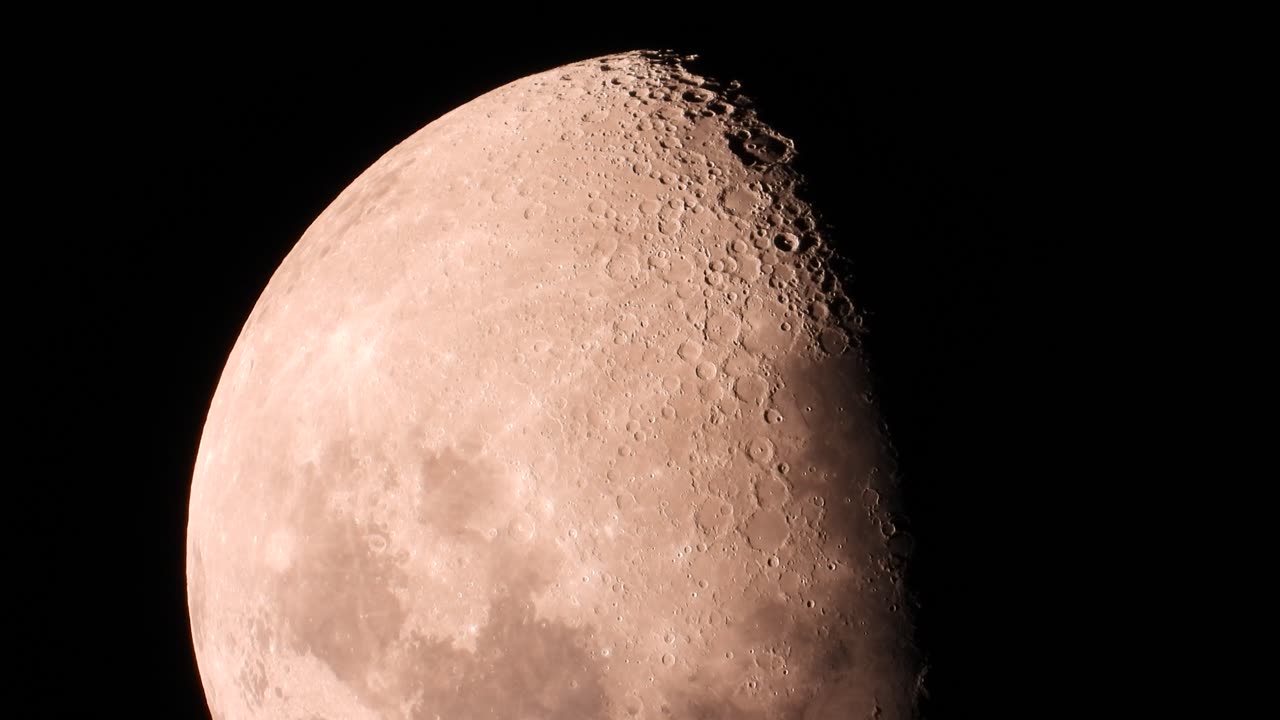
(557, 412)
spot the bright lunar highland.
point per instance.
(558, 412)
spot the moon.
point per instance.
(557, 412)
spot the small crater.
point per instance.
(760, 449)
(761, 147)
(706, 370)
(786, 242)
(771, 492)
(714, 517)
(751, 389)
(522, 528)
(689, 350)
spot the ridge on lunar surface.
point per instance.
(556, 412)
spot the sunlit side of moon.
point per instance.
(556, 412)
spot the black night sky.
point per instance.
(206, 163)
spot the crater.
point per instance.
(761, 147)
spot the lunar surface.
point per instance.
(557, 412)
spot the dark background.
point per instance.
(196, 168)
